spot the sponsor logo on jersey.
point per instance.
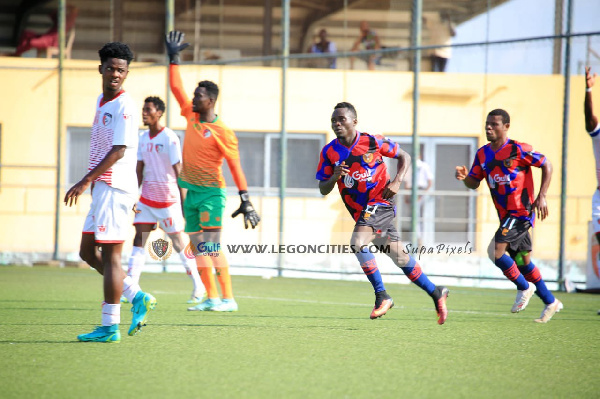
(498, 179)
(106, 119)
(348, 181)
(365, 176)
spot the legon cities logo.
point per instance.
(160, 249)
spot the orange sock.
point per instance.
(205, 265)
(222, 269)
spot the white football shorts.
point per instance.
(169, 219)
(110, 214)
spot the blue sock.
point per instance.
(532, 274)
(369, 267)
(415, 274)
(510, 270)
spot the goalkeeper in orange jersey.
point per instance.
(207, 141)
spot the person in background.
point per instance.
(441, 33)
(323, 46)
(30, 40)
(368, 40)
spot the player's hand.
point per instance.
(590, 78)
(390, 190)
(541, 207)
(340, 170)
(135, 210)
(247, 209)
(461, 172)
(174, 43)
(75, 191)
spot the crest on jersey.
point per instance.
(161, 249)
(368, 157)
(206, 133)
(106, 119)
(508, 163)
(158, 147)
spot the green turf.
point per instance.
(292, 338)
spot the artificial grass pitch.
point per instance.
(292, 338)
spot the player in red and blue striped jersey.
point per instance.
(506, 166)
(354, 161)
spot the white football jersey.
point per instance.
(596, 144)
(159, 154)
(116, 123)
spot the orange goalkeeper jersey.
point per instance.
(205, 144)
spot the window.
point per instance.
(78, 152)
(259, 153)
(448, 215)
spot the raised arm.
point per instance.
(591, 121)
(174, 44)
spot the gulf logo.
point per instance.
(189, 251)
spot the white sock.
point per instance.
(130, 288)
(136, 263)
(111, 313)
(192, 271)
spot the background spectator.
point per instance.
(441, 33)
(323, 46)
(368, 40)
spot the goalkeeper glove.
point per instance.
(173, 41)
(247, 209)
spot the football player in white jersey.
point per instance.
(593, 129)
(158, 167)
(111, 172)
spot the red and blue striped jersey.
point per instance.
(368, 174)
(509, 177)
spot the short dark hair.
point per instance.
(211, 88)
(502, 113)
(115, 50)
(348, 106)
(158, 103)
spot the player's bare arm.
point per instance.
(540, 204)
(462, 173)
(139, 171)
(325, 186)
(117, 152)
(394, 186)
(591, 121)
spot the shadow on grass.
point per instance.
(39, 342)
(51, 309)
